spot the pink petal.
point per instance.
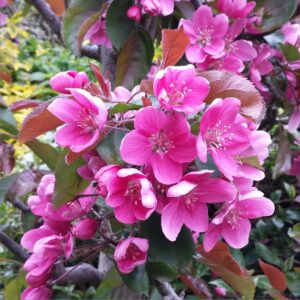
(211, 236)
(181, 188)
(171, 221)
(195, 53)
(220, 25)
(196, 218)
(67, 135)
(244, 50)
(201, 149)
(203, 16)
(237, 236)
(167, 7)
(135, 148)
(115, 199)
(184, 153)
(125, 214)
(215, 47)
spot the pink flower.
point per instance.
(131, 195)
(294, 120)
(235, 8)
(97, 33)
(162, 140)
(3, 3)
(63, 81)
(261, 66)
(220, 291)
(180, 89)
(85, 117)
(206, 34)
(187, 202)
(224, 134)
(291, 34)
(158, 7)
(40, 293)
(131, 253)
(85, 229)
(134, 13)
(232, 221)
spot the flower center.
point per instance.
(205, 34)
(233, 218)
(160, 143)
(177, 94)
(88, 122)
(216, 137)
(133, 252)
(133, 191)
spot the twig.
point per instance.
(14, 247)
(166, 290)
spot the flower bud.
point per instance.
(40, 293)
(85, 229)
(134, 13)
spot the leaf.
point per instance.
(7, 159)
(122, 107)
(103, 82)
(58, 6)
(7, 121)
(290, 52)
(276, 13)
(225, 84)
(266, 254)
(68, 183)
(161, 271)
(275, 276)
(175, 254)
(22, 104)
(5, 184)
(137, 280)
(45, 152)
(15, 287)
(174, 43)
(109, 148)
(252, 161)
(220, 261)
(294, 232)
(118, 26)
(74, 20)
(134, 60)
(38, 122)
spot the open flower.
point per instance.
(85, 117)
(232, 221)
(187, 202)
(206, 34)
(162, 140)
(180, 89)
(40, 293)
(158, 7)
(131, 253)
(131, 195)
(235, 8)
(224, 134)
(63, 81)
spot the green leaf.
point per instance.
(176, 254)
(290, 52)
(263, 252)
(294, 232)
(15, 287)
(276, 13)
(5, 184)
(7, 121)
(118, 26)
(109, 148)
(78, 18)
(161, 271)
(252, 161)
(134, 60)
(122, 107)
(68, 183)
(137, 280)
(45, 152)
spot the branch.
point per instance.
(166, 290)
(14, 247)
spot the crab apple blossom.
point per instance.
(224, 134)
(158, 7)
(39, 293)
(85, 229)
(134, 13)
(187, 202)
(130, 253)
(206, 34)
(235, 8)
(63, 81)
(232, 220)
(131, 195)
(180, 89)
(85, 117)
(291, 33)
(162, 140)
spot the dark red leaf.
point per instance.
(174, 43)
(197, 285)
(22, 104)
(103, 82)
(7, 159)
(147, 86)
(38, 122)
(6, 77)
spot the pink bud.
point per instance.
(40, 293)
(85, 229)
(63, 81)
(131, 253)
(220, 291)
(134, 13)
